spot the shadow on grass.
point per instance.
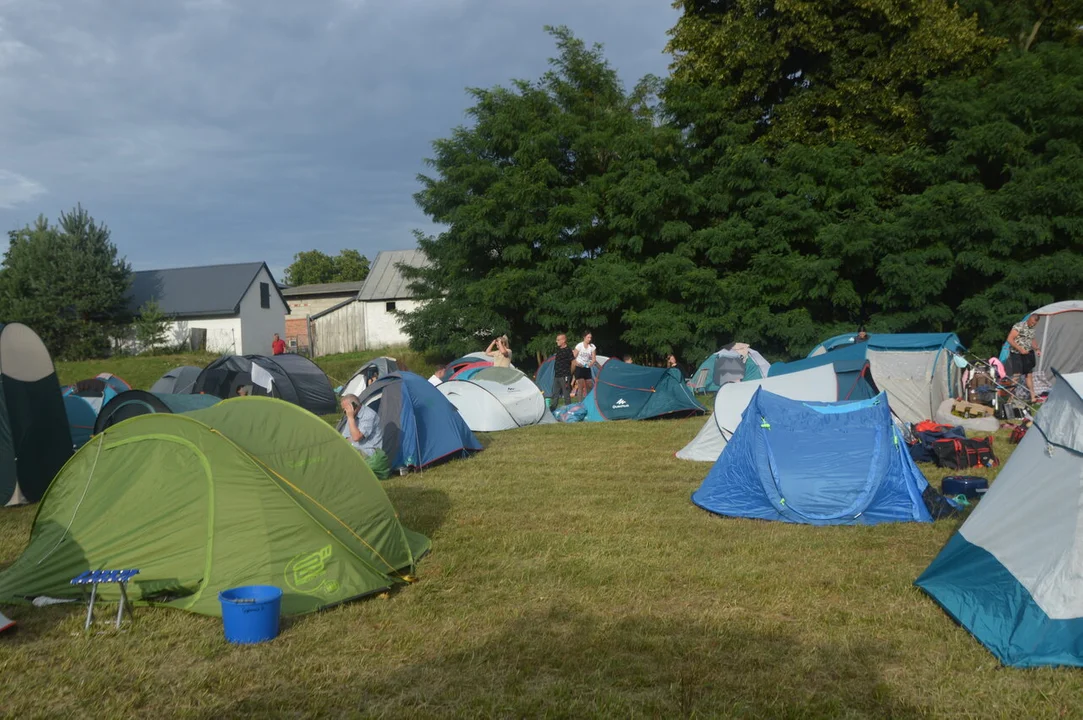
(567, 662)
(422, 509)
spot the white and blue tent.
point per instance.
(1013, 574)
(816, 463)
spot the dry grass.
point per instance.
(571, 576)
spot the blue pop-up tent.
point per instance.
(420, 426)
(624, 391)
(817, 463)
(852, 371)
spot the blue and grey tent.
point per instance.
(817, 463)
(916, 370)
(852, 371)
(624, 391)
(85, 399)
(420, 427)
(1010, 575)
(178, 381)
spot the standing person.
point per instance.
(500, 351)
(278, 345)
(585, 357)
(562, 372)
(1023, 352)
(438, 376)
(363, 431)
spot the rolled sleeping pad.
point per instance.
(140, 402)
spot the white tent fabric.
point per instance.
(916, 382)
(495, 399)
(1011, 575)
(815, 384)
(1060, 336)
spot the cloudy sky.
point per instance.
(206, 131)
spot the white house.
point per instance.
(369, 320)
(234, 309)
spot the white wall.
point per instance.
(223, 333)
(382, 327)
(259, 324)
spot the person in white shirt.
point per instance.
(585, 357)
(437, 377)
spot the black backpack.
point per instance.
(962, 453)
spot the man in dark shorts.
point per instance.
(562, 372)
(1023, 352)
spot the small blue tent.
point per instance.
(624, 391)
(420, 426)
(816, 463)
(85, 399)
(851, 370)
(908, 342)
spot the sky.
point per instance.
(216, 131)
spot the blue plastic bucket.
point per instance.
(250, 613)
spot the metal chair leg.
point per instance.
(90, 606)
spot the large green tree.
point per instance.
(540, 195)
(67, 282)
(311, 267)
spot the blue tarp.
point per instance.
(816, 463)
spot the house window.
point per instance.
(264, 295)
(390, 306)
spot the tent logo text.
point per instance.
(305, 572)
(620, 404)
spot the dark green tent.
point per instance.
(34, 439)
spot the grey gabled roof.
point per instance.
(344, 288)
(196, 291)
(385, 282)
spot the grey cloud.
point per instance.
(219, 130)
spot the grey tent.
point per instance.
(293, 378)
(369, 373)
(178, 381)
(139, 402)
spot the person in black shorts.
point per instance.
(1023, 351)
(585, 357)
(562, 372)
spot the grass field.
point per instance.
(572, 577)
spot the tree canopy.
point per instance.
(67, 282)
(807, 167)
(311, 267)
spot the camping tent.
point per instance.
(734, 363)
(34, 437)
(130, 403)
(816, 463)
(1059, 334)
(497, 399)
(293, 378)
(1010, 575)
(368, 374)
(914, 369)
(816, 383)
(250, 491)
(468, 364)
(853, 375)
(178, 381)
(544, 377)
(420, 427)
(624, 391)
(84, 400)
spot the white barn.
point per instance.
(369, 320)
(233, 309)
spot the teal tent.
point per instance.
(624, 391)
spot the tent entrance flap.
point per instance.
(810, 483)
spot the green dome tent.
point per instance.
(249, 491)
